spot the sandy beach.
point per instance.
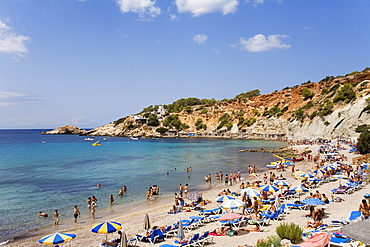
(133, 222)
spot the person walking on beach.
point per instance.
(111, 199)
(56, 218)
(76, 213)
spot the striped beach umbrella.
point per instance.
(307, 175)
(282, 183)
(299, 190)
(224, 198)
(232, 204)
(250, 192)
(146, 222)
(329, 168)
(319, 172)
(106, 227)
(269, 188)
(57, 238)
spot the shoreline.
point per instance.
(132, 220)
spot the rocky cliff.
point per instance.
(331, 108)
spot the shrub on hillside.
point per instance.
(307, 94)
(345, 94)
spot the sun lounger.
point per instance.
(191, 242)
(210, 211)
(155, 235)
(204, 238)
(300, 206)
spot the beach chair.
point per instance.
(213, 211)
(191, 242)
(300, 206)
(204, 238)
(154, 236)
(189, 224)
(170, 230)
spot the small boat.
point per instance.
(89, 139)
(134, 138)
(298, 159)
(285, 163)
(96, 143)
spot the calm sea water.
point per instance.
(48, 172)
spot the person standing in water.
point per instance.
(56, 218)
(76, 213)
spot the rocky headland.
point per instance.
(331, 108)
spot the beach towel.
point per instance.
(319, 239)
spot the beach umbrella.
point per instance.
(299, 190)
(282, 183)
(146, 222)
(329, 168)
(254, 175)
(358, 231)
(229, 216)
(313, 201)
(57, 238)
(232, 204)
(194, 196)
(180, 231)
(307, 175)
(269, 188)
(250, 192)
(224, 198)
(123, 240)
(106, 227)
(319, 172)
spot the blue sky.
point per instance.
(91, 62)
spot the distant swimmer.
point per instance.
(43, 214)
(120, 192)
(98, 185)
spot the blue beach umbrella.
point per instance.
(250, 192)
(106, 227)
(282, 183)
(224, 198)
(307, 175)
(232, 204)
(269, 188)
(313, 201)
(57, 238)
(299, 190)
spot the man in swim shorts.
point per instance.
(76, 213)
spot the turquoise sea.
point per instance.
(48, 172)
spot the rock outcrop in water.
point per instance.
(66, 130)
(331, 108)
